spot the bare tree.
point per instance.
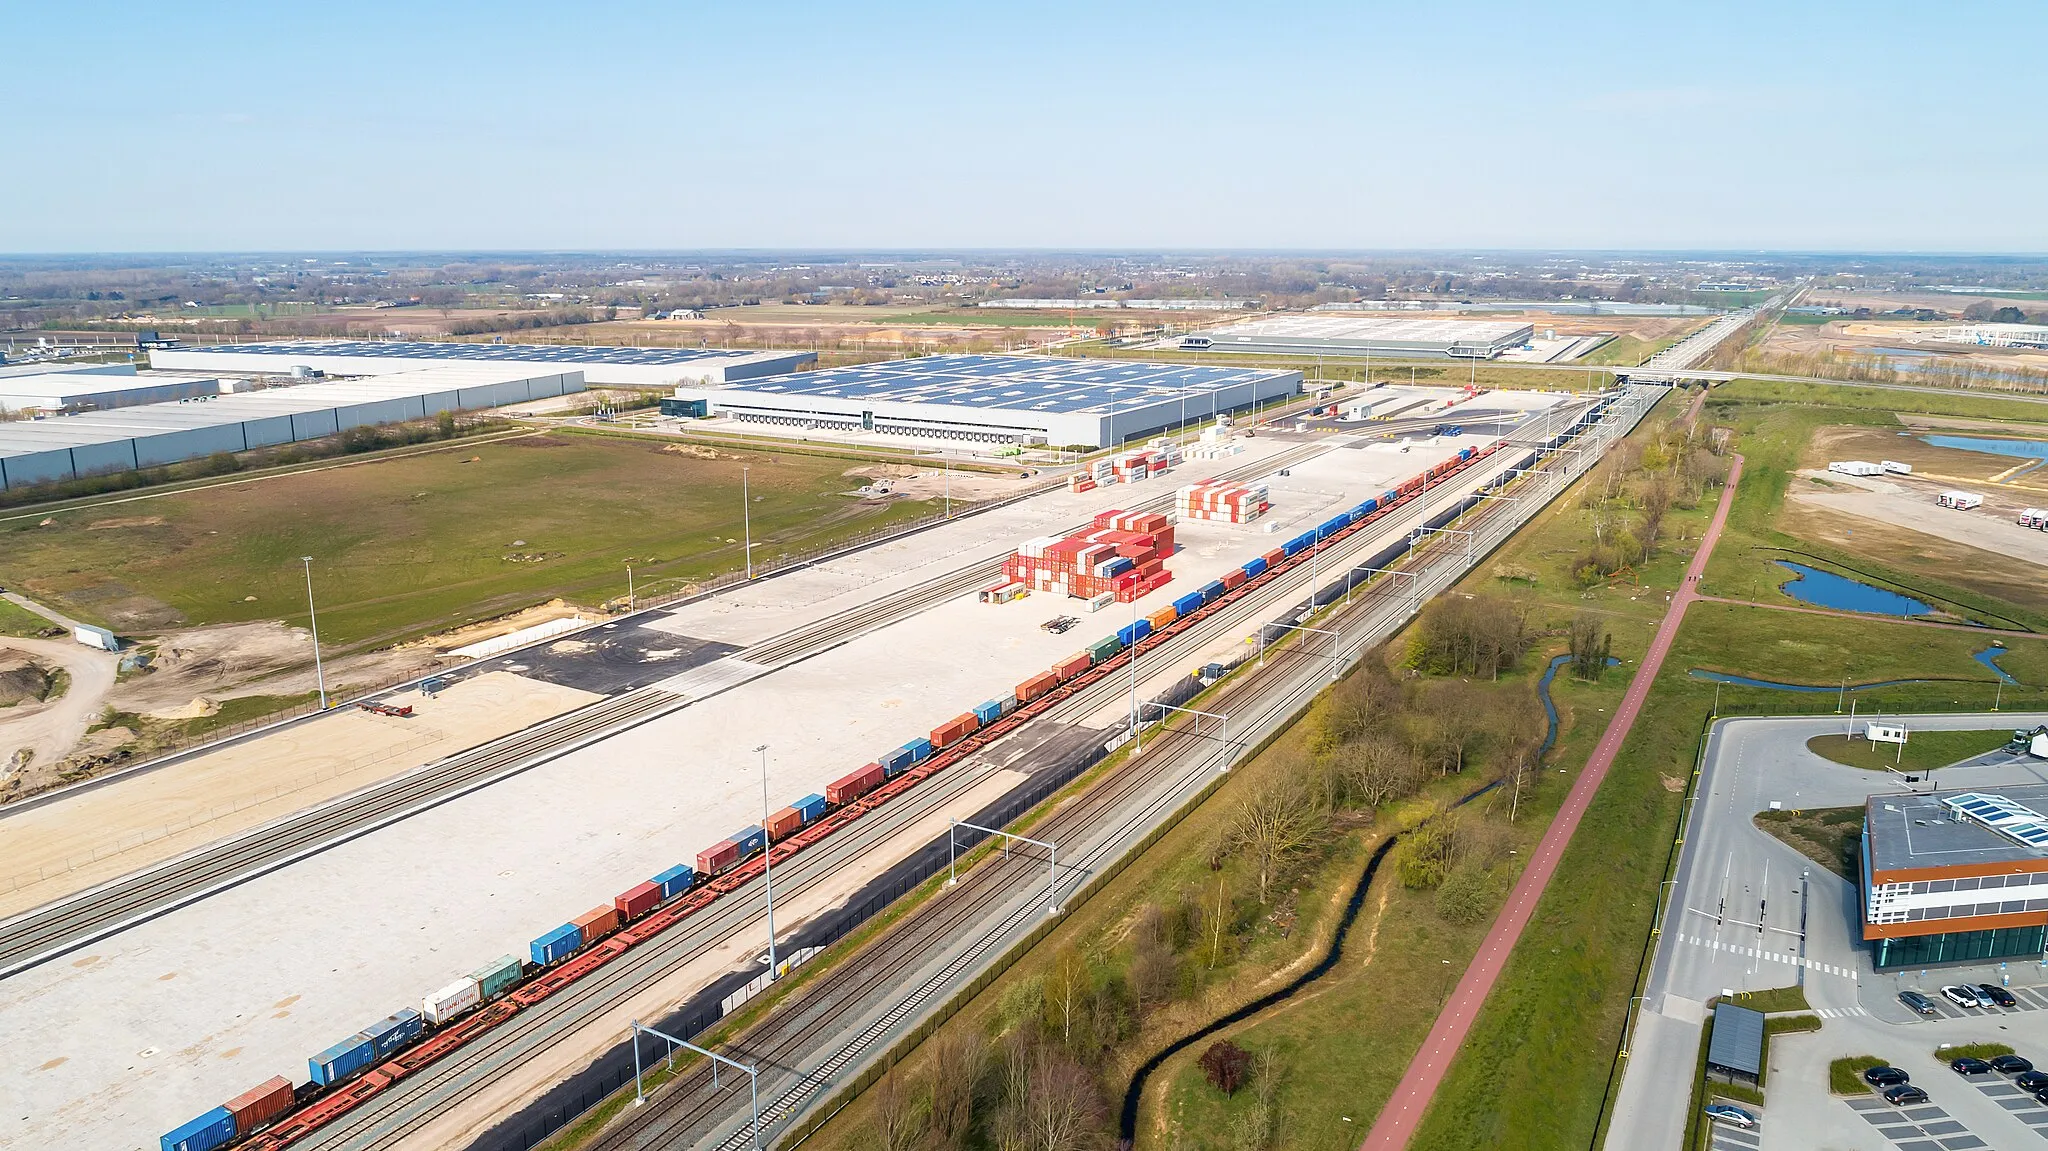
(896, 1126)
(1273, 823)
(1066, 991)
(1376, 769)
(1065, 1109)
(959, 1057)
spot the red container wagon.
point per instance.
(954, 730)
(638, 901)
(1274, 557)
(1036, 686)
(716, 858)
(1233, 578)
(257, 1106)
(1073, 665)
(784, 822)
(597, 921)
(852, 786)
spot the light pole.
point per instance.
(319, 671)
(1137, 732)
(631, 600)
(767, 849)
(747, 521)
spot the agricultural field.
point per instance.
(410, 546)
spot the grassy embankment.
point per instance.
(1922, 751)
(1626, 351)
(412, 545)
(16, 620)
(1827, 835)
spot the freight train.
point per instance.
(351, 1071)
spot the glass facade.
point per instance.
(1958, 947)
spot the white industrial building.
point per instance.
(1000, 399)
(1992, 335)
(1341, 335)
(150, 435)
(601, 366)
(48, 393)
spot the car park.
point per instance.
(1968, 1066)
(1961, 996)
(1917, 1002)
(1904, 1095)
(1996, 994)
(2012, 1064)
(1730, 1114)
(1885, 1076)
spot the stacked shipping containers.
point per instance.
(1121, 555)
(1222, 502)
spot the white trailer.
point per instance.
(1855, 468)
(2036, 518)
(1960, 501)
(1896, 468)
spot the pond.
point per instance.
(1774, 685)
(2023, 449)
(1826, 589)
(1989, 658)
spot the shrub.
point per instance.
(1226, 1065)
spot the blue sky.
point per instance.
(1257, 125)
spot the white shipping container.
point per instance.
(1896, 468)
(1855, 468)
(1961, 501)
(451, 1001)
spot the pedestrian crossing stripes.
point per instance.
(1774, 956)
(1838, 1012)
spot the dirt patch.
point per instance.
(129, 522)
(446, 641)
(1869, 524)
(880, 471)
(228, 661)
(696, 451)
(199, 708)
(23, 679)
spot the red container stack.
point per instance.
(1120, 554)
(1226, 503)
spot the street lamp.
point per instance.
(319, 672)
(746, 521)
(767, 850)
(631, 600)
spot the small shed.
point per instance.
(1736, 1049)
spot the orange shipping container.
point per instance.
(1036, 686)
(597, 921)
(638, 900)
(1072, 666)
(1162, 617)
(1274, 557)
(783, 822)
(260, 1104)
(954, 730)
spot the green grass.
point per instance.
(1826, 835)
(1876, 400)
(1923, 750)
(1973, 1051)
(1771, 999)
(1008, 318)
(407, 546)
(17, 620)
(1845, 1075)
(1626, 351)
(1791, 1024)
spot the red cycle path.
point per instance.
(1403, 1113)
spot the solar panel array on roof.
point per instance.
(1737, 1043)
(1013, 383)
(2006, 816)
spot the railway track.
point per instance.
(421, 1096)
(56, 928)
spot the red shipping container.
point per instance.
(1036, 686)
(850, 787)
(1072, 666)
(597, 921)
(718, 857)
(260, 1104)
(638, 901)
(1233, 578)
(1274, 557)
(954, 730)
(1107, 519)
(783, 822)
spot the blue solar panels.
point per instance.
(2003, 815)
(484, 353)
(1013, 383)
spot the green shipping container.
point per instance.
(494, 977)
(1103, 648)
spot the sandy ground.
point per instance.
(48, 731)
(106, 832)
(1990, 528)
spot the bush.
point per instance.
(1431, 853)
(1226, 1065)
(1466, 896)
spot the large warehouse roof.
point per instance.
(600, 364)
(56, 391)
(1906, 832)
(1355, 335)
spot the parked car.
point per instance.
(1960, 995)
(1917, 1002)
(1730, 1114)
(2012, 1064)
(1996, 994)
(1969, 1066)
(2041, 1097)
(1885, 1076)
(1904, 1095)
(2031, 1081)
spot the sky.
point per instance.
(1299, 125)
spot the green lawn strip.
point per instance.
(1626, 351)
(1826, 835)
(1845, 1075)
(1922, 751)
(413, 545)
(17, 620)
(1946, 1052)
(1930, 403)
(1770, 999)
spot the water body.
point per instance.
(1774, 685)
(2022, 449)
(1989, 658)
(1549, 707)
(1826, 589)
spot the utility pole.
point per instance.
(631, 600)
(767, 849)
(747, 521)
(319, 672)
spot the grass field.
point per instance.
(20, 621)
(410, 546)
(1626, 351)
(1922, 751)
(1845, 1075)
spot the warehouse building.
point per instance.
(150, 435)
(1956, 878)
(1000, 399)
(1338, 335)
(52, 392)
(601, 366)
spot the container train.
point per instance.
(348, 1072)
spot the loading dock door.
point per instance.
(867, 421)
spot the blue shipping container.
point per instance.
(897, 760)
(557, 944)
(988, 712)
(395, 1031)
(1187, 604)
(1389, 497)
(1370, 506)
(341, 1060)
(810, 806)
(1256, 568)
(674, 881)
(1304, 540)
(1131, 633)
(202, 1134)
(1465, 453)
(750, 839)
(919, 749)
(1209, 591)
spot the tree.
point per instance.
(1063, 1108)
(959, 1057)
(1432, 852)
(1376, 769)
(1225, 1066)
(896, 1126)
(1590, 643)
(1466, 895)
(1272, 824)
(1066, 992)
